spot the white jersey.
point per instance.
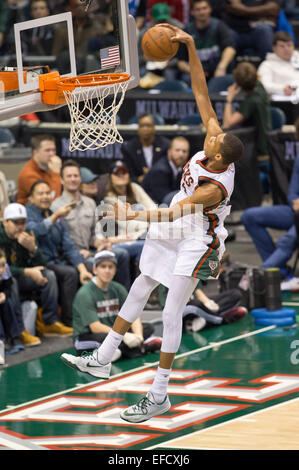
(194, 244)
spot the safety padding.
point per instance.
(282, 317)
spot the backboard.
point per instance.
(93, 37)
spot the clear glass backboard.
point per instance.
(92, 36)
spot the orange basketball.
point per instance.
(156, 44)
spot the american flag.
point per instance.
(109, 56)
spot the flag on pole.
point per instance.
(109, 56)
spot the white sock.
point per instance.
(108, 347)
(160, 384)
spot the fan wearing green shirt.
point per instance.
(95, 308)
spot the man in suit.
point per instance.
(142, 151)
(163, 180)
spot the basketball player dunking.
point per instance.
(198, 210)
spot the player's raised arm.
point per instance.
(198, 83)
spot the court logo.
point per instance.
(295, 354)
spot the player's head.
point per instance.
(231, 149)
(225, 147)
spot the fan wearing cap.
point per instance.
(153, 72)
(27, 265)
(130, 234)
(93, 185)
(96, 306)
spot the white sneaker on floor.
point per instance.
(87, 363)
(145, 409)
(291, 284)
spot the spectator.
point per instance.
(179, 9)
(163, 180)
(142, 151)
(218, 7)
(95, 308)
(280, 217)
(81, 222)
(214, 43)
(60, 252)
(93, 185)
(27, 266)
(137, 8)
(4, 199)
(254, 110)
(3, 21)
(291, 9)
(157, 69)
(37, 168)
(253, 24)
(130, 234)
(38, 41)
(10, 326)
(16, 11)
(84, 29)
(279, 73)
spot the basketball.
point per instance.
(157, 45)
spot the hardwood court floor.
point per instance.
(275, 428)
(221, 376)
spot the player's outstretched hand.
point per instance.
(179, 35)
(119, 211)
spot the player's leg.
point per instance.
(156, 401)
(98, 363)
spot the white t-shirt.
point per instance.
(148, 155)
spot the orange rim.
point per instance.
(70, 83)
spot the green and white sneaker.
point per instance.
(87, 362)
(145, 409)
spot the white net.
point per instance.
(93, 112)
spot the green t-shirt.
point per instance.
(256, 111)
(94, 304)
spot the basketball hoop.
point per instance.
(93, 102)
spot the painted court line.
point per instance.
(145, 366)
(196, 433)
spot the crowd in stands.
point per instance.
(55, 250)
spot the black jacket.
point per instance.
(134, 157)
(160, 181)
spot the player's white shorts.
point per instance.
(198, 257)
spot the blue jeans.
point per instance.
(257, 219)
(260, 39)
(48, 295)
(9, 324)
